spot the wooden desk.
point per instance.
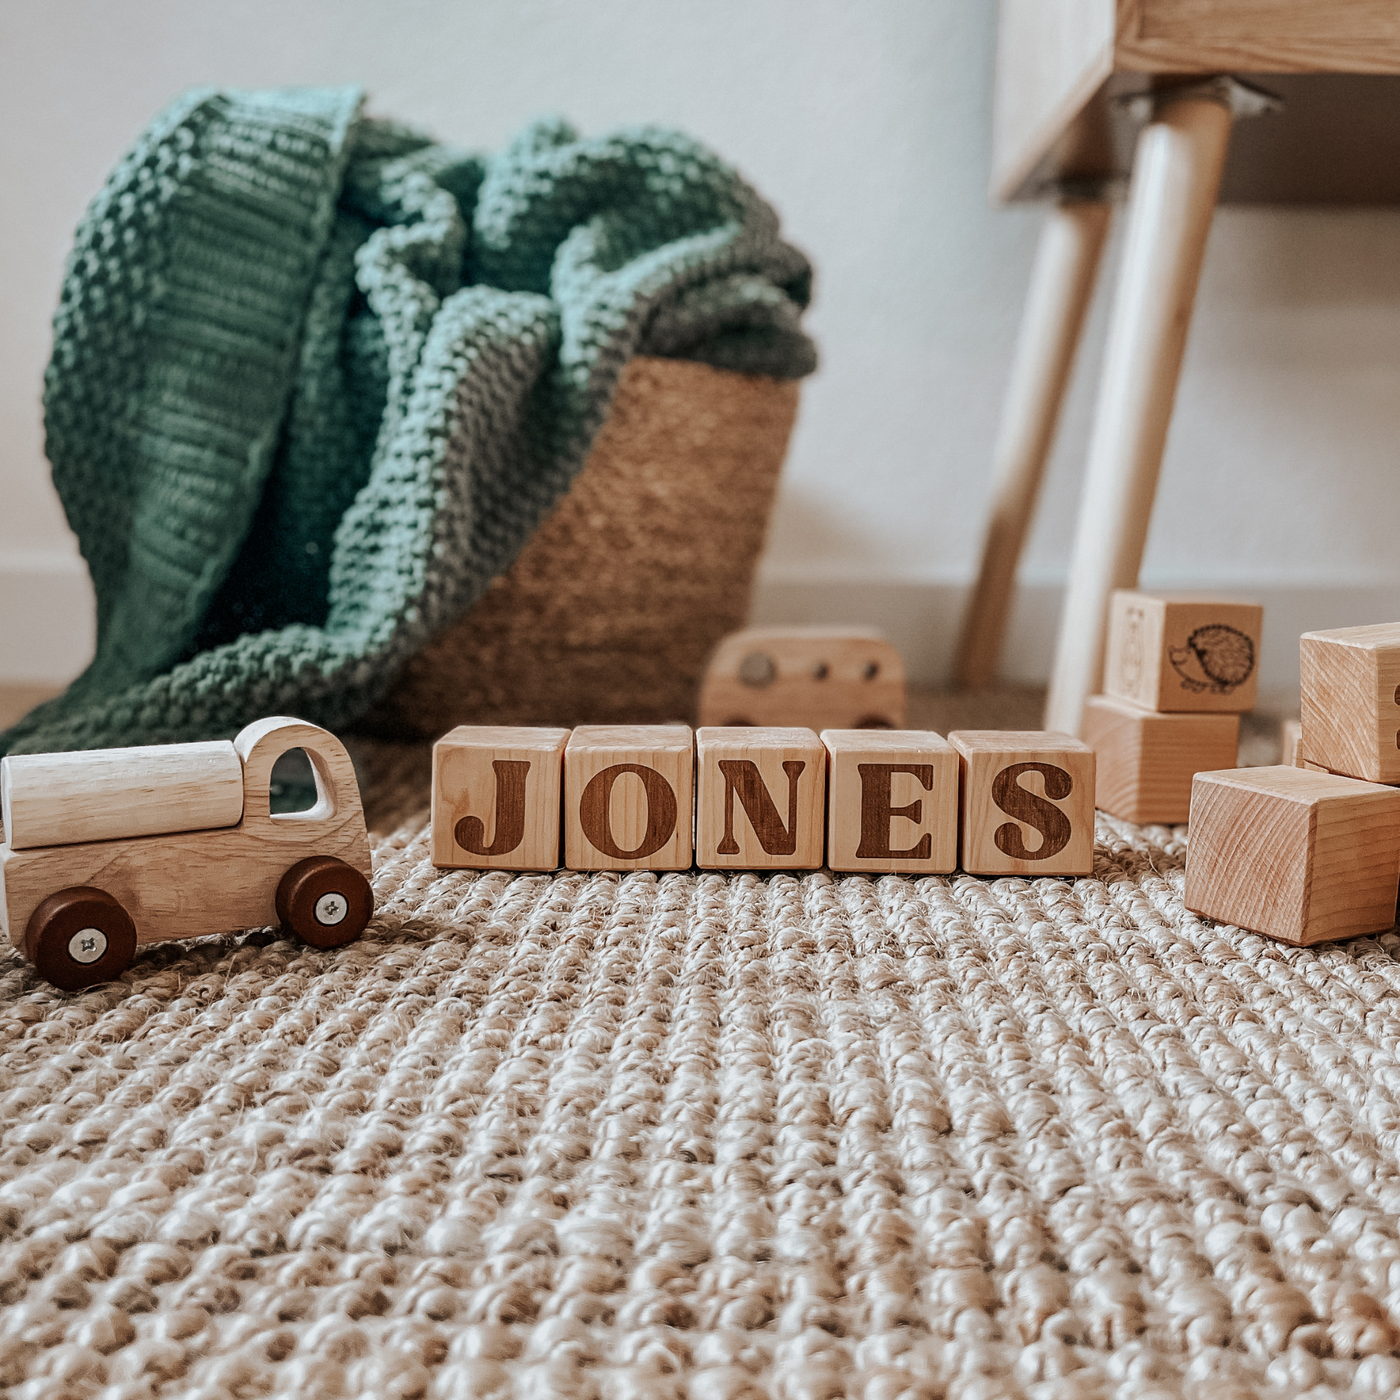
(1090, 94)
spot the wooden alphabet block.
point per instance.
(892, 801)
(1351, 701)
(1027, 802)
(1145, 760)
(840, 678)
(496, 798)
(760, 799)
(629, 797)
(1303, 857)
(1182, 653)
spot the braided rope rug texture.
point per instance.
(714, 1137)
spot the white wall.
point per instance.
(867, 125)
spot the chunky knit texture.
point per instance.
(709, 1137)
(316, 379)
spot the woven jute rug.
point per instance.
(708, 1136)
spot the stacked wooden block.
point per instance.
(1178, 673)
(659, 797)
(1311, 853)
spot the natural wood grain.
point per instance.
(815, 677)
(760, 798)
(191, 883)
(1180, 653)
(1145, 761)
(1027, 805)
(1301, 856)
(892, 801)
(1351, 701)
(1179, 157)
(1062, 284)
(53, 799)
(629, 797)
(496, 798)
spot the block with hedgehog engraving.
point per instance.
(1182, 653)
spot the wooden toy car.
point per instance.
(817, 677)
(109, 848)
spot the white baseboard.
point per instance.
(922, 617)
(47, 618)
(47, 625)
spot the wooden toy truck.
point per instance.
(114, 847)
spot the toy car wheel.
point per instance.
(324, 901)
(80, 937)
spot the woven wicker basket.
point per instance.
(611, 610)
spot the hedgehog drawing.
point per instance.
(1215, 658)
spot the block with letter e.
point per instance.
(629, 797)
(1302, 856)
(1027, 802)
(495, 803)
(892, 801)
(1351, 701)
(760, 798)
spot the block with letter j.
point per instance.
(496, 793)
(1027, 802)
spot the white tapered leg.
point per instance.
(1062, 284)
(1176, 179)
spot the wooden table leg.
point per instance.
(1062, 283)
(1176, 179)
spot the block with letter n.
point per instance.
(1027, 802)
(495, 803)
(629, 797)
(760, 798)
(892, 801)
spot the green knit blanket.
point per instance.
(316, 379)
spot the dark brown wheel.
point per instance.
(80, 937)
(324, 902)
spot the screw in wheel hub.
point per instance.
(331, 908)
(87, 945)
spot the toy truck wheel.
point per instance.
(80, 937)
(324, 901)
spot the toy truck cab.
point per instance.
(110, 848)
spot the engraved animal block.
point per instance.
(496, 795)
(760, 799)
(1351, 701)
(1145, 760)
(629, 797)
(1303, 857)
(1027, 802)
(820, 677)
(892, 801)
(1182, 653)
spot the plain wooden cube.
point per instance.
(629, 797)
(1027, 803)
(891, 801)
(1351, 701)
(1301, 856)
(1182, 653)
(760, 798)
(496, 792)
(1145, 760)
